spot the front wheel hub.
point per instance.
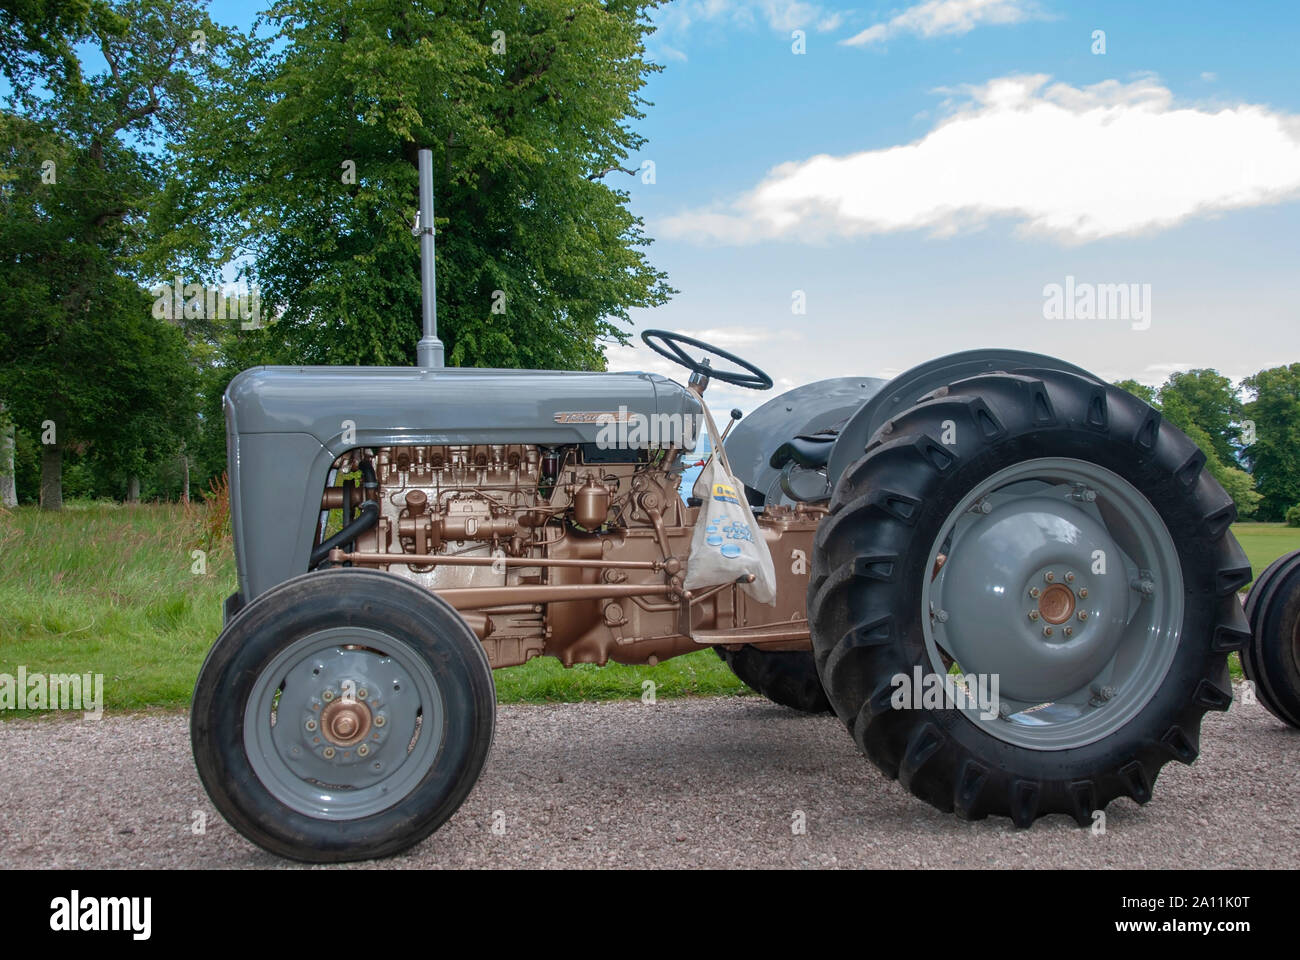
(345, 722)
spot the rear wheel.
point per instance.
(787, 677)
(342, 715)
(1048, 542)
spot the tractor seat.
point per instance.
(809, 452)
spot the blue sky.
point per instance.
(975, 152)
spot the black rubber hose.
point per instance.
(366, 518)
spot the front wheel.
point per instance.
(342, 715)
(1024, 596)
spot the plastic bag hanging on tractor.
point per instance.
(727, 543)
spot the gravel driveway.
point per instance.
(681, 783)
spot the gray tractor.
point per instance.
(400, 533)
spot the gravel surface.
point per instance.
(681, 783)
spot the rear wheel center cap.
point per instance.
(1056, 605)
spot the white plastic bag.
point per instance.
(727, 543)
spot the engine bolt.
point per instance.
(1069, 577)
(1033, 614)
(311, 724)
(1049, 576)
(329, 753)
(327, 696)
(1083, 614)
(1047, 631)
(380, 720)
(1083, 592)
(362, 750)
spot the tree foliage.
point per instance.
(304, 156)
(1275, 454)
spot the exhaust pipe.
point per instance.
(429, 351)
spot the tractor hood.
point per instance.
(374, 406)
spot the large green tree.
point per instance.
(82, 359)
(303, 167)
(1274, 455)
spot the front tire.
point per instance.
(981, 499)
(342, 715)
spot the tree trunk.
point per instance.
(185, 487)
(8, 481)
(133, 489)
(51, 477)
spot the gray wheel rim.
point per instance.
(1078, 647)
(316, 695)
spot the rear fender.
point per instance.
(908, 388)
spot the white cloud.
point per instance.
(1077, 164)
(935, 17)
(680, 16)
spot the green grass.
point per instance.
(1265, 542)
(109, 589)
(104, 588)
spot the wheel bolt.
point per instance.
(380, 720)
(1083, 615)
(1047, 631)
(362, 693)
(327, 696)
(1083, 592)
(329, 753)
(311, 724)
(1033, 614)
(1049, 576)
(1069, 631)
(1069, 578)
(1033, 592)
(362, 750)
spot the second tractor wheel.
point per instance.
(1271, 660)
(787, 677)
(1052, 565)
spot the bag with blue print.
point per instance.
(728, 544)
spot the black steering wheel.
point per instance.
(754, 379)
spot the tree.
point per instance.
(1209, 400)
(82, 359)
(1275, 453)
(37, 36)
(304, 161)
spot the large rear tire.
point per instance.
(1049, 530)
(787, 677)
(342, 715)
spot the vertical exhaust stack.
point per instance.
(429, 352)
